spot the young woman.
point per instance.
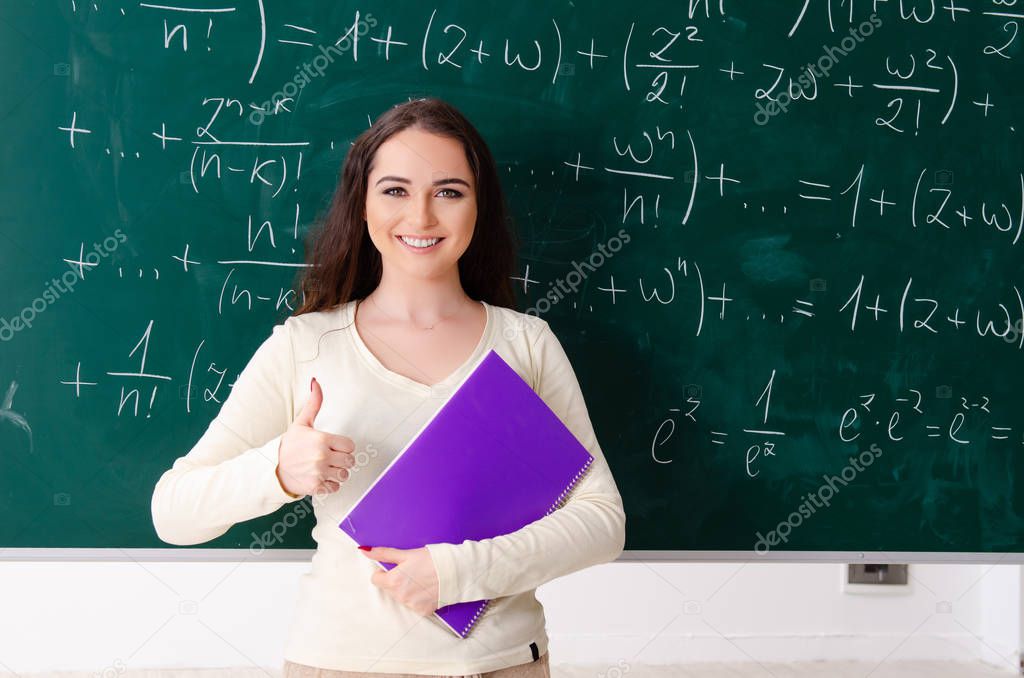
(409, 286)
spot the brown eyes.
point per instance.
(452, 191)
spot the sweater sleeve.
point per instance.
(587, 530)
(230, 475)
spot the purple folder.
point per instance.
(493, 459)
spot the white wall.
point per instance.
(106, 617)
(1000, 629)
(775, 612)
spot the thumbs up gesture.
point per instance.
(312, 461)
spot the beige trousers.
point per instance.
(535, 669)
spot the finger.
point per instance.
(340, 460)
(312, 406)
(384, 554)
(327, 486)
(340, 443)
(338, 475)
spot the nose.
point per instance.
(421, 210)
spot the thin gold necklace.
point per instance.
(374, 302)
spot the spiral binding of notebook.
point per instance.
(465, 630)
(570, 487)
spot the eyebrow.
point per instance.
(403, 180)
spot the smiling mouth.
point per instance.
(420, 243)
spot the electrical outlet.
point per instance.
(876, 578)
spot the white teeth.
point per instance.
(419, 243)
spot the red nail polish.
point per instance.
(365, 548)
(311, 383)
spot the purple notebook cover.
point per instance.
(493, 459)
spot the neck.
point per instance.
(421, 302)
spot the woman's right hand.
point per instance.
(311, 461)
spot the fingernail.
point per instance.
(365, 548)
(311, 383)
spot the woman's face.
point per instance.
(420, 185)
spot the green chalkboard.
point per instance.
(779, 240)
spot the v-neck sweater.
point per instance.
(341, 620)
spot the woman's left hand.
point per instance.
(412, 582)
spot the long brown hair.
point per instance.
(344, 264)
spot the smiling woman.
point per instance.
(418, 229)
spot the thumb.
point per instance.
(312, 406)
